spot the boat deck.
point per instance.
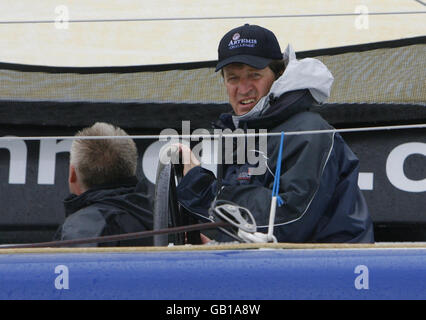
(209, 272)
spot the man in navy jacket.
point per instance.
(319, 173)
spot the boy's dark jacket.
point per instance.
(106, 210)
(318, 183)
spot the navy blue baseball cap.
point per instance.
(248, 44)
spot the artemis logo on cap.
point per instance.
(236, 42)
(248, 44)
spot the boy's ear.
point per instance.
(72, 174)
(74, 184)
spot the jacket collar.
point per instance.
(281, 108)
(98, 193)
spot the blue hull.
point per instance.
(217, 274)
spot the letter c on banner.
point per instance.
(395, 167)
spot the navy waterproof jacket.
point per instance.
(123, 207)
(318, 181)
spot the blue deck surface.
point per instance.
(217, 274)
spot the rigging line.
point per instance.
(220, 135)
(213, 17)
(118, 237)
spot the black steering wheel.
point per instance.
(167, 211)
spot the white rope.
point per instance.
(221, 135)
(256, 237)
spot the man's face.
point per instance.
(246, 85)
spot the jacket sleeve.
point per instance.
(82, 224)
(197, 190)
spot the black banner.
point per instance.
(34, 173)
